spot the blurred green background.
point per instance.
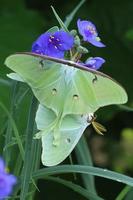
(21, 22)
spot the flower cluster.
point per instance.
(57, 44)
(7, 181)
(53, 44)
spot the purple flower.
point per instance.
(88, 30)
(94, 63)
(7, 181)
(53, 44)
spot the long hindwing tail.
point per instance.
(60, 141)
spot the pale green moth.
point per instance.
(68, 93)
(71, 130)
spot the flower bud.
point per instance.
(82, 50)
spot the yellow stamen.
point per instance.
(91, 29)
(51, 36)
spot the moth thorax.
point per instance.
(90, 118)
(69, 73)
(54, 91)
(75, 97)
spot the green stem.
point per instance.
(84, 158)
(17, 171)
(16, 133)
(70, 17)
(76, 57)
(36, 154)
(26, 173)
(95, 171)
(8, 135)
(71, 162)
(61, 23)
(123, 193)
(18, 165)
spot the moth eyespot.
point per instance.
(54, 91)
(41, 64)
(75, 96)
(94, 80)
(68, 140)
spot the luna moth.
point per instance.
(68, 94)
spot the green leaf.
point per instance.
(8, 134)
(84, 158)
(12, 143)
(129, 195)
(125, 108)
(62, 169)
(26, 173)
(63, 26)
(16, 133)
(70, 17)
(123, 193)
